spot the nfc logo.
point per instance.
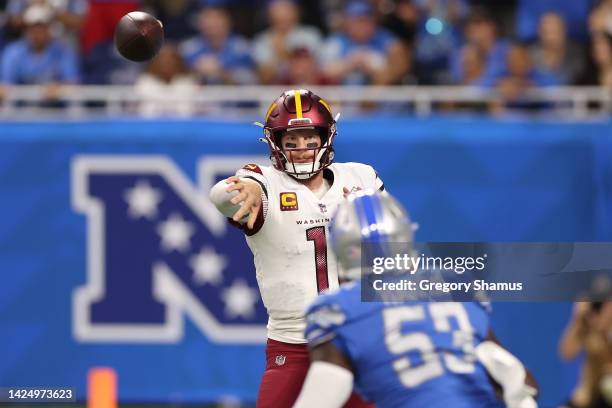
(159, 252)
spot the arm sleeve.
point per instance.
(253, 172)
(327, 385)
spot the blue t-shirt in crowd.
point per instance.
(234, 56)
(21, 65)
(16, 7)
(340, 46)
(495, 64)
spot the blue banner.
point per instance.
(111, 254)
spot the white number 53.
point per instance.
(432, 362)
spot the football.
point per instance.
(138, 36)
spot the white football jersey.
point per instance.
(290, 241)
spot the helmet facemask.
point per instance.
(282, 158)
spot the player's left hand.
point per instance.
(249, 194)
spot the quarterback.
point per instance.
(284, 210)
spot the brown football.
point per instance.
(138, 36)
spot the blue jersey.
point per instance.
(408, 354)
(21, 65)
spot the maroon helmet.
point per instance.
(300, 109)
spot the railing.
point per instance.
(81, 101)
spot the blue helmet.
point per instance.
(373, 218)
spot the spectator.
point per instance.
(69, 15)
(555, 54)
(270, 48)
(39, 58)
(600, 17)
(177, 15)
(574, 12)
(473, 69)
(519, 77)
(602, 57)
(472, 65)
(218, 56)
(101, 62)
(166, 84)
(364, 53)
(104, 65)
(100, 21)
(481, 31)
(303, 69)
(402, 21)
(332, 11)
(437, 36)
(590, 331)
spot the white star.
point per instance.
(175, 233)
(207, 266)
(142, 200)
(239, 299)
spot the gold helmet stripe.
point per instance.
(298, 103)
(270, 109)
(326, 106)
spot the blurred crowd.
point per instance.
(589, 335)
(510, 46)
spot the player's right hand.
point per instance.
(249, 195)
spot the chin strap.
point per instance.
(304, 171)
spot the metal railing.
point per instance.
(81, 101)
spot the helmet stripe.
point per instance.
(371, 205)
(298, 103)
(270, 109)
(322, 102)
(369, 212)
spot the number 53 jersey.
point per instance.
(289, 241)
(407, 354)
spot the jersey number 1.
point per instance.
(317, 235)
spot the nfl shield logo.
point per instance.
(323, 208)
(280, 360)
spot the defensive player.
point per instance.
(284, 211)
(402, 354)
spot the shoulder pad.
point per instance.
(252, 167)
